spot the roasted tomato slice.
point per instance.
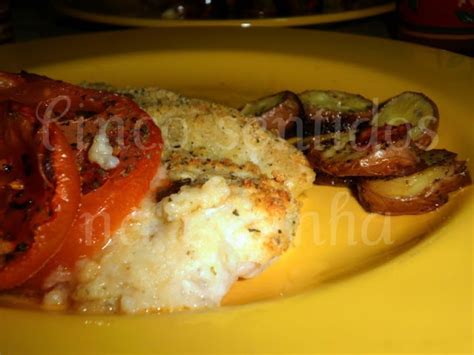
(114, 179)
(39, 193)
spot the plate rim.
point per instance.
(318, 19)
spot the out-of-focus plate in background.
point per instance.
(75, 10)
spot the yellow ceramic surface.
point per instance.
(66, 8)
(399, 284)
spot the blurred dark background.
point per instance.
(446, 24)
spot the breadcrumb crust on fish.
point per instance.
(216, 132)
(234, 212)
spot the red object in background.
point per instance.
(446, 24)
(452, 14)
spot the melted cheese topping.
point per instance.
(101, 151)
(186, 251)
(235, 215)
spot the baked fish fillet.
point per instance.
(233, 210)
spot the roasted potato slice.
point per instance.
(281, 113)
(343, 154)
(412, 108)
(331, 111)
(417, 193)
(330, 180)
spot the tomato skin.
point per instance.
(103, 211)
(49, 236)
(107, 196)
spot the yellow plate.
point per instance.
(419, 301)
(66, 8)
